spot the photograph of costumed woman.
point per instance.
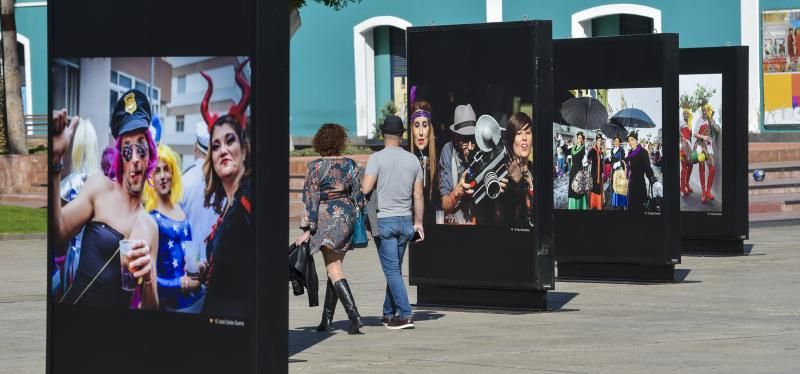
(178, 291)
(230, 278)
(516, 206)
(639, 168)
(701, 142)
(423, 145)
(575, 160)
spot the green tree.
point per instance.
(388, 109)
(702, 93)
(335, 4)
(689, 102)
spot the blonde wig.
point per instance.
(171, 160)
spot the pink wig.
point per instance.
(107, 162)
(118, 164)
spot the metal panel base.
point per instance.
(457, 297)
(713, 247)
(616, 272)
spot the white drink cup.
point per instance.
(439, 217)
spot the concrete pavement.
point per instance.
(730, 314)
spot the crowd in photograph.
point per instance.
(608, 174)
(139, 230)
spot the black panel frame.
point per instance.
(89, 340)
(488, 258)
(634, 61)
(725, 232)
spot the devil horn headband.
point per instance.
(237, 110)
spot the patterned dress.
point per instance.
(331, 195)
(173, 237)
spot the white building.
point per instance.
(187, 90)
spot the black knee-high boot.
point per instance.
(328, 308)
(349, 304)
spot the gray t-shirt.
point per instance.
(397, 170)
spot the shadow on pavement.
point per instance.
(557, 300)
(304, 338)
(681, 274)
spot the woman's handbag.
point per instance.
(620, 182)
(582, 182)
(359, 230)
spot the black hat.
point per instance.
(132, 112)
(392, 125)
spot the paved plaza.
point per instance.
(729, 315)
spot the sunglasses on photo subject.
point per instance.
(141, 150)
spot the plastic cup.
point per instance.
(128, 280)
(440, 217)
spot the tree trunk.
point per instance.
(15, 123)
(3, 127)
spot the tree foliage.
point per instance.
(388, 109)
(698, 98)
(335, 4)
(703, 93)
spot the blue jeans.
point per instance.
(395, 233)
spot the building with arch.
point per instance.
(345, 65)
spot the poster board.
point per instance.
(492, 248)
(144, 48)
(597, 234)
(719, 76)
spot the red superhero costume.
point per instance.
(686, 158)
(705, 145)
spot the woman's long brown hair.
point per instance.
(215, 192)
(426, 106)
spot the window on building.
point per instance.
(182, 84)
(179, 121)
(622, 24)
(141, 87)
(125, 81)
(391, 70)
(121, 82)
(66, 77)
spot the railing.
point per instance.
(36, 125)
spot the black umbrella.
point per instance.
(585, 112)
(633, 117)
(612, 129)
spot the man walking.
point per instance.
(398, 175)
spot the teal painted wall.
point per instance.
(383, 68)
(32, 23)
(778, 4)
(677, 16)
(322, 73)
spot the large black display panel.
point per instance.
(484, 92)
(153, 257)
(615, 169)
(713, 151)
